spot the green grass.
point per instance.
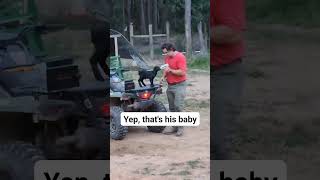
(184, 173)
(146, 171)
(200, 62)
(194, 163)
(166, 174)
(195, 104)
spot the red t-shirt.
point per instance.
(176, 62)
(232, 14)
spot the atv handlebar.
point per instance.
(146, 88)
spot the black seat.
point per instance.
(5, 37)
(144, 88)
(91, 87)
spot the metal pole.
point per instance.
(168, 31)
(131, 33)
(151, 42)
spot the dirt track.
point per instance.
(145, 155)
(280, 117)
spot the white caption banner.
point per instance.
(160, 119)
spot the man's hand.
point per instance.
(163, 77)
(177, 72)
(167, 70)
(161, 80)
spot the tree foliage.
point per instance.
(291, 12)
(161, 11)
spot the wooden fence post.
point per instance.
(25, 6)
(168, 31)
(151, 42)
(131, 33)
(150, 36)
(116, 48)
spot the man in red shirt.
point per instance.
(227, 49)
(176, 76)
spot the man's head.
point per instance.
(168, 49)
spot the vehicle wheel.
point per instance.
(117, 131)
(104, 153)
(157, 107)
(17, 161)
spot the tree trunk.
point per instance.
(206, 35)
(149, 12)
(163, 15)
(188, 27)
(142, 18)
(155, 15)
(128, 9)
(124, 24)
(203, 49)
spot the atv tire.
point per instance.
(17, 161)
(117, 131)
(157, 107)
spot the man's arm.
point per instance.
(228, 22)
(182, 67)
(163, 77)
(177, 72)
(224, 35)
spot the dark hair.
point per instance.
(168, 46)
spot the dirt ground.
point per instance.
(280, 117)
(150, 156)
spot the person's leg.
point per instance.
(171, 99)
(94, 66)
(100, 39)
(102, 53)
(226, 90)
(180, 94)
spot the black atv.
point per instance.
(134, 100)
(124, 96)
(46, 113)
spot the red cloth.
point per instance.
(176, 62)
(230, 13)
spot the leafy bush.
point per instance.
(291, 12)
(200, 62)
